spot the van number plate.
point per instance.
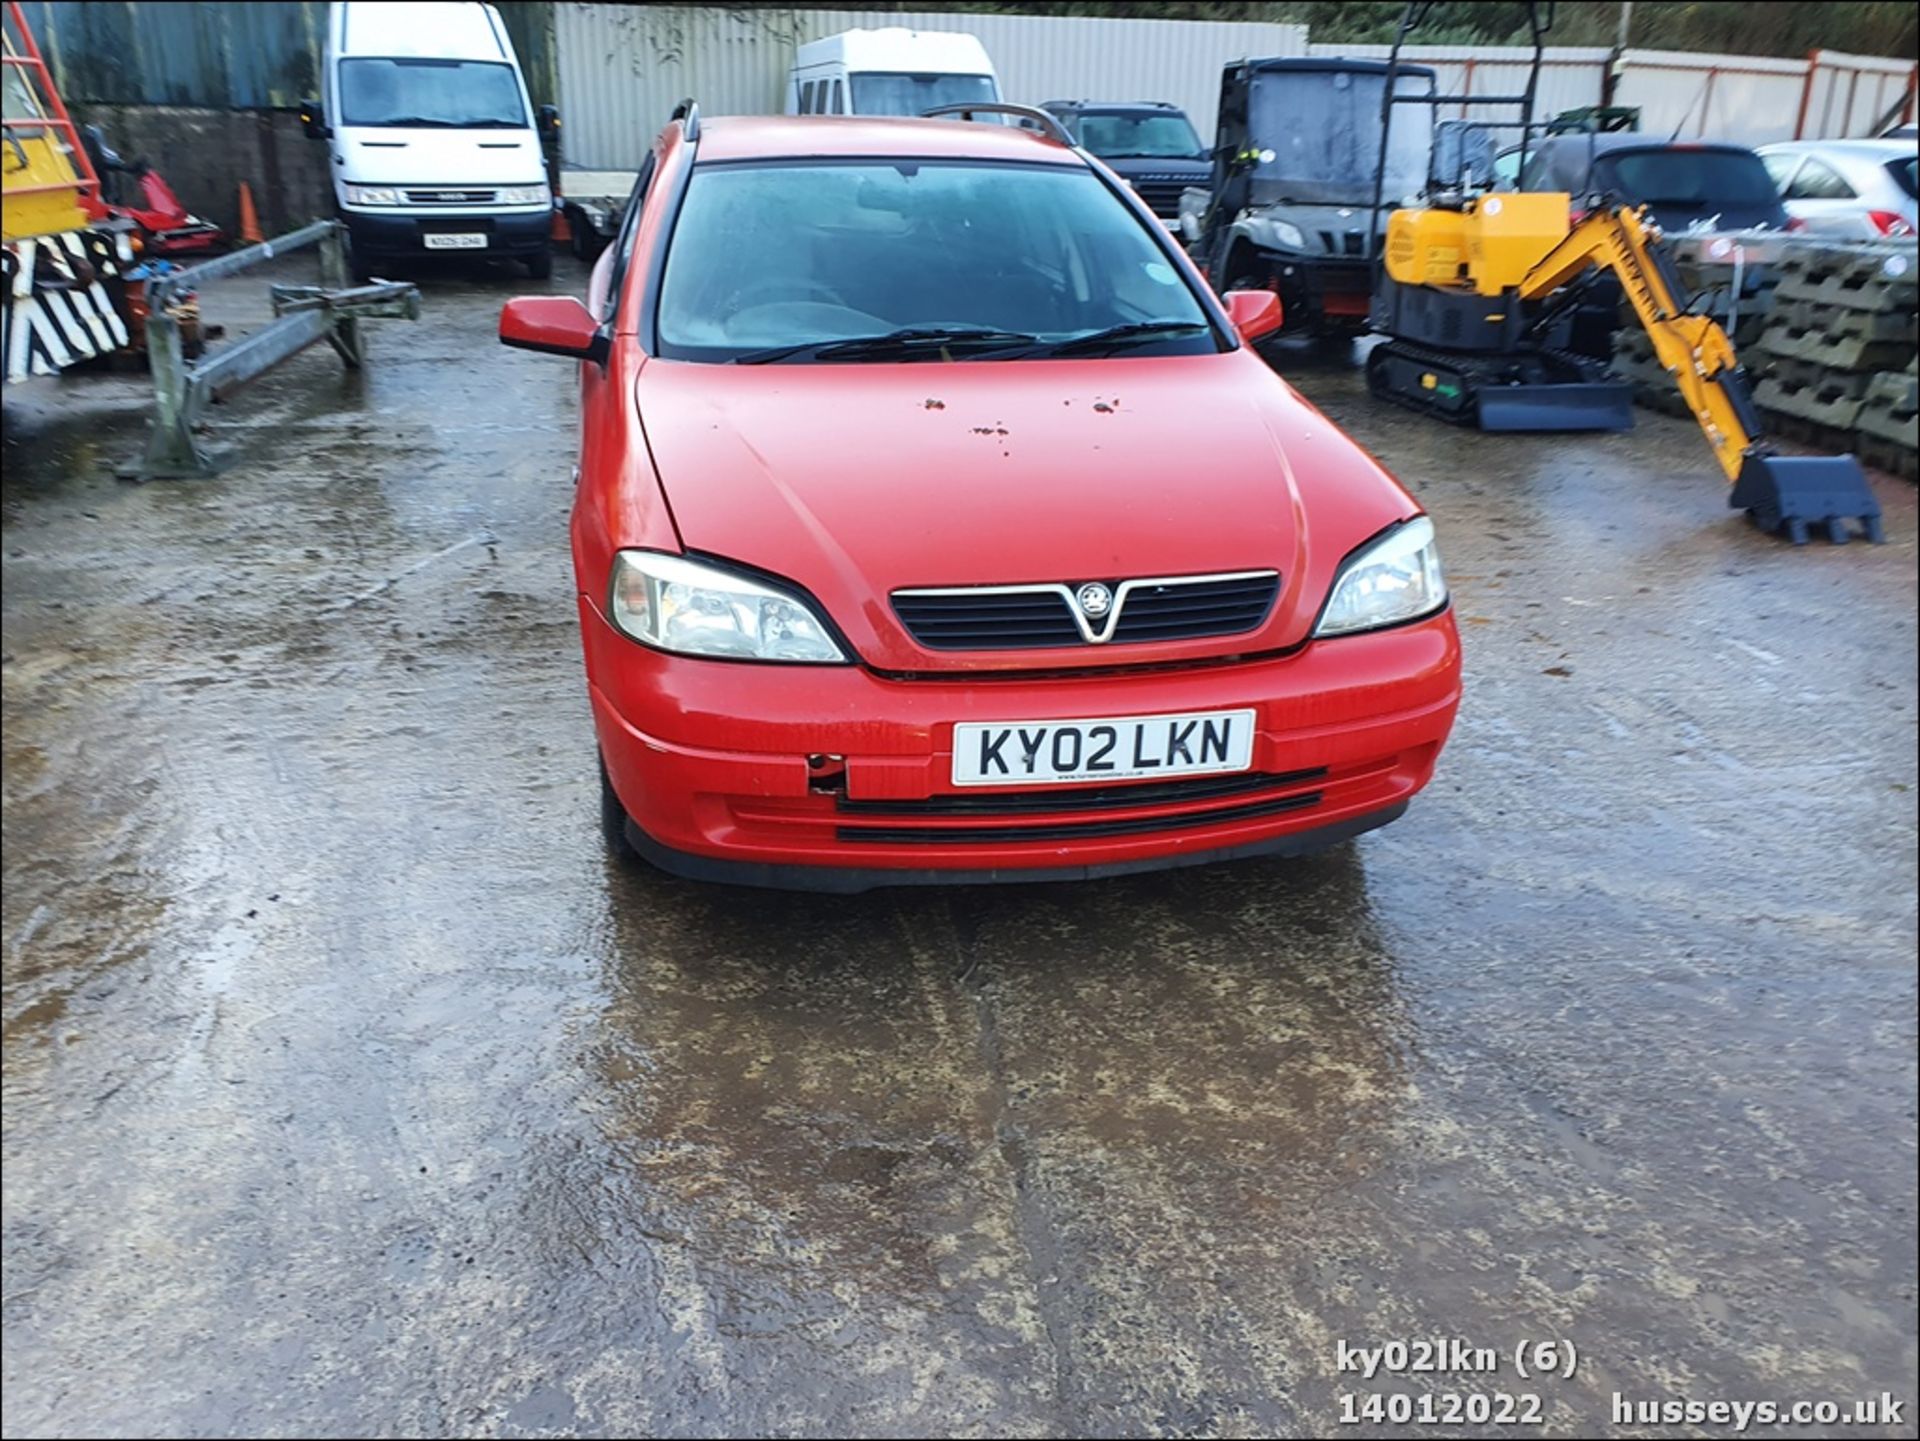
(464, 240)
(1129, 748)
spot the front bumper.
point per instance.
(778, 775)
(1320, 292)
(389, 235)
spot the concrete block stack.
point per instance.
(1836, 361)
(1826, 331)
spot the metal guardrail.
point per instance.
(304, 314)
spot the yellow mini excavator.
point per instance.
(1458, 299)
(1474, 286)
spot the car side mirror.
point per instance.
(546, 120)
(555, 325)
(313, 120)
(1254, 313)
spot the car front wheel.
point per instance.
(613, 824)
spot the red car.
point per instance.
(936, 523)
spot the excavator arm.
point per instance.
(1782, 493)
(1693, 348)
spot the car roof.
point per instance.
(1601, 144)
(791, 137)
(1157, 106)
(1857, 149)
(1325, 62)
(1560, 162)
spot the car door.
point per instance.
(1820, 197)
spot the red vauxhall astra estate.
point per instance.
(935, 522)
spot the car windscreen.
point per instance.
(466, 94)
(1707, 178)
(1118, 135)
(1316, 136)
(1902, 172)
(773, 254)
(880, 93)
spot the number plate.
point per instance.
(465, 240)
(1012, 753)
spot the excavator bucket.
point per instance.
(1793, 494)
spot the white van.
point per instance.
(432, 138)
(894, 71)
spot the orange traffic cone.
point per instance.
(249, 220)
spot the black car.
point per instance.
(1685, 185)
(1148, 143)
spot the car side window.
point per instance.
(1781, 168)
(624, 241)
(838, 107)
(1819, 181)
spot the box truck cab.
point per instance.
(433, 144)
(893, 71)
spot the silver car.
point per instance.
(1856, 188)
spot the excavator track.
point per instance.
(1529, 390)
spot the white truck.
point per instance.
(891, 71)
(888, 71)
(435, 146)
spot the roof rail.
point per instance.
(689, 112)
(1048, 124)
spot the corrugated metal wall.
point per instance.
(1850, 94)
(624, 67)
(1745, 98)
(223, 54)
(217, 55)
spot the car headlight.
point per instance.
(1395, 579)
(685, 606)
(525, 195)
(372, 195)
(1282, 234)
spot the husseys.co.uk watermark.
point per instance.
(1546, 1362)
(1881, 1410)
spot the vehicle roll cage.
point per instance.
(1539, 21)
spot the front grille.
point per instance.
(1043, 616)
(1344, 242)
(450, 197)
(1063, 800)
(1021, 620)
(1162, 196)
(1170, 611)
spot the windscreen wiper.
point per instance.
(909, 342)
(1138, 332)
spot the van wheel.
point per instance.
(613, 824)
(577, 228)
(540, 265)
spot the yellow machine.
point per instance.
(58, 262)
(41, 183)
(1470, 298)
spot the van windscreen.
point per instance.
(878, 93)
(462, 94)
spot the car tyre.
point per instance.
(540, 265)
(613, 825)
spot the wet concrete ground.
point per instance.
(349, 1089)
